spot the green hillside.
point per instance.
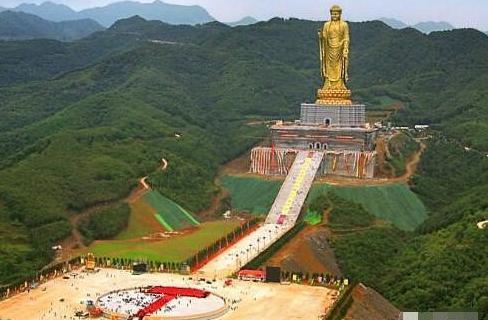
(442, 265)
(81, 122)
(23, 26)
(169, 213)
(394, 203)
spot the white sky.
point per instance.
(460, 13)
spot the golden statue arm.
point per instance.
(345, 65)
(321, 54)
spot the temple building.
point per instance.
(334, 124)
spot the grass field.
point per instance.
(395, 203)
(169, 213)
(142, 221)
(175, 249)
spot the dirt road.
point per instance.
(75, 241)
(410, 169)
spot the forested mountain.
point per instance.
(81, 132)
(425, 26)
(49, 11)
(394, 23)
(431, 26)
(158, 10)
(243, 22)
(23, 26)
(107, 15)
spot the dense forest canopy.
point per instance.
(81, 121)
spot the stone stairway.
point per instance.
(281, 218)
(289, 201)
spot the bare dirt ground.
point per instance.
(211, 212)
(240, 166)
(370, 305)
(256, 300)
(381, 154)
(410, 169)
(309, 251)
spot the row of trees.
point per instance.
(128, 263)
(191, 263)
(261, 259)
(205, 254)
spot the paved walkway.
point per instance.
(289, 201)
(281, 218)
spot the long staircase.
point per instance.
(289, 201)
(281, 218)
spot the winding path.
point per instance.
(142, 181)
(75, 240)
(482, 224)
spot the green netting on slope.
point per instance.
(254, 195)
(169, 213)
(395, 203)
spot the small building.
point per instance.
(421, 127)
(252, 275)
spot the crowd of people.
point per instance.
(144, 300)
(73, 292)
(125, 301)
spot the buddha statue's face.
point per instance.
(335, 15)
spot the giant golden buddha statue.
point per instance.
(334, 60)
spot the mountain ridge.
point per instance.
(423, 26)
(24, 26)
(394, 23)
(108, 14)
(49, 11)
(248, 20)
(81, 134)
(432, 26)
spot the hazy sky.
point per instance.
(461, 13)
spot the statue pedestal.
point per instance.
(337, 115)
(326, 127)
(334, 97)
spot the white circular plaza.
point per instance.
(158, 302)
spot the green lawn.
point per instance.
(171, 215)
(142, 221)
(175, 249)
(395, 203)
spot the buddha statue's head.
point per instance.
(335, 13)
